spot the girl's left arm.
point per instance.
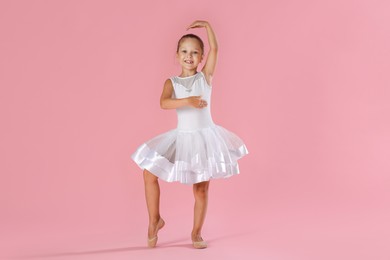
(211, 62)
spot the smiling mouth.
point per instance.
(188, 62)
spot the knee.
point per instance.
(149, 177)
(201, 190)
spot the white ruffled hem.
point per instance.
(192, 157)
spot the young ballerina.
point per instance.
(198, 149)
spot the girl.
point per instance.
(198, 149)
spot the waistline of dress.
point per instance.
(212, 125)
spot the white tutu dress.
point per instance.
(198, 149)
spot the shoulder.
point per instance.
(168, 84)
(170, 80)
(168, 89)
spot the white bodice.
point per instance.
(191, 118)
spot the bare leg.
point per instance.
(200, 209)
(152, 195)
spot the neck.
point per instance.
(187, 73)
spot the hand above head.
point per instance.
(197, 102)
(198, 24)
(209, 67)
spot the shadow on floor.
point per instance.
(167, 244)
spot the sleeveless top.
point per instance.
(191, 118)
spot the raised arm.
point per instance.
(211, 62)
(167, 102)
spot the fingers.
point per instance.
(197, 23)
(197, 102)
(192, 24)
(202, 103)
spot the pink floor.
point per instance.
(304, 229)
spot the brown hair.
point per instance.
(190, 35)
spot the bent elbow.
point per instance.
(163, 105)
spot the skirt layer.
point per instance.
(192, 156)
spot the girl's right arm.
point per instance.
(167, 102)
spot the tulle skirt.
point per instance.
(192, 156)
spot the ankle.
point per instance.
(196, 235)
(154, 221)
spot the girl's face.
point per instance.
(190, 53)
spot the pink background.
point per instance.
(304, 83)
